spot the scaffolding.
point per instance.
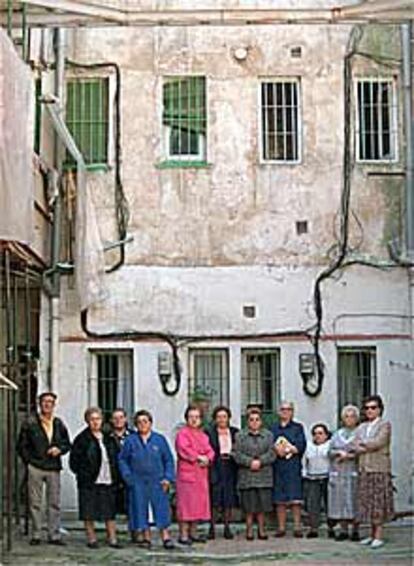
(20, 286)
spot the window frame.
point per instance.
(93, 375)
(268, 415)
(224, 399)
(201, 156)
(373, 377)
(394, 134)
(110, 142)
(282, 79)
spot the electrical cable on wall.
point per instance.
(344, 251)
(121, 203)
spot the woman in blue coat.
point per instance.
(290, 445)
(147, 467)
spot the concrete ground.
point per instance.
(322, 551)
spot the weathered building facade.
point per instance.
(255, 175)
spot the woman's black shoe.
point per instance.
(114, 544)
(92, 544)
(144, 543)
(198, 539)
(227, 533)
(168, 544)
(211, 534)
(185, 541)
(312, 534)
(262, 536)
(355, 536)
(249, 536)
(342, 536)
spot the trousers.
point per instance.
(36, 480)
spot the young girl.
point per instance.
(316, 477)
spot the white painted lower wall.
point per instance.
(362, 308)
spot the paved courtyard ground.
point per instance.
(323, 551)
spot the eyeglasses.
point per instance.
(371, 407)
(286, 409)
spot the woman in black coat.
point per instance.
(94, 461)
(223, 472)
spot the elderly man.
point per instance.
(42, 441)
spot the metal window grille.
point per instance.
(357, 375)
(114, 376)
(87, 117)
(184, 117)
(376, 120)
(280, 115)
(209, 374)
(261, 379)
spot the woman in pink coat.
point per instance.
(194, 455)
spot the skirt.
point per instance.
(375, 498)
(256, 500)
(97, 502)
(224, 492)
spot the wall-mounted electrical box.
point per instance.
(164, 363)
(307, 364)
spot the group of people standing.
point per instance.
(218, 468)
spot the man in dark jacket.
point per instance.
(42, 441)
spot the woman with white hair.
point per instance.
(343, 475)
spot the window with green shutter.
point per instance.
(184, 118)
(87, 117)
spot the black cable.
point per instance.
(340, 260)
(121, 204)
(130, 335)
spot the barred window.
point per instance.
(209, 374)
(280, 119)
(376, 120)
(261, 380)
(87, 117)
(114, 378)
(185, 118)
(357, 375)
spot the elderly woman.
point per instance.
(375, 492)
(254, 454)
(147, 467)
(223, 473)
(194, 455)
(343, 475)
(93, 460)
(290, 445)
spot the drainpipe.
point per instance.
(407, 68)
(406, 33)
(54, 320)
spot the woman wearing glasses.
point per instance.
(254, 454)
(375, 493)
(194, 455)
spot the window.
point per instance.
(261, 380)
(356, 375)
(114, 381)
(209, 373)
(87, 117)
(184, 118)
(280, 117)
(376, 120)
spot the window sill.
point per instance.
(178, 164)
(90, 167)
